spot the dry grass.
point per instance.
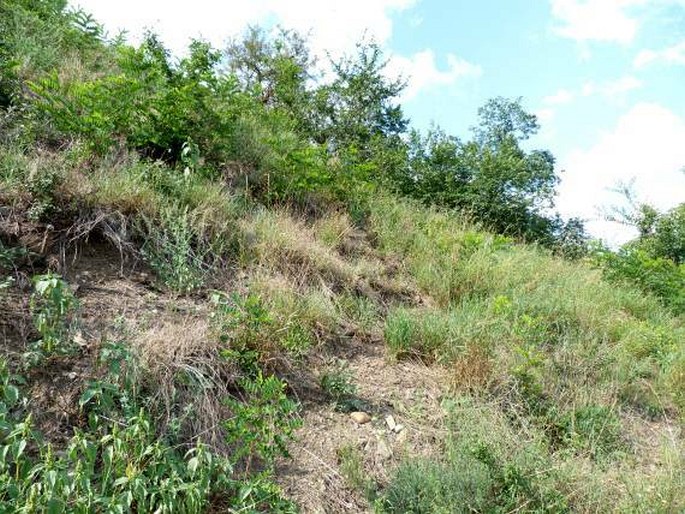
(181, 363)
(472, 371)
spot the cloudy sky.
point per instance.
(605, 77)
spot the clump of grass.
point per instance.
(277, 241)
(351, 462)
(416, 332)
(332, 229)
(487, 468)
(337, 383)
(594, 430)
(360, 311)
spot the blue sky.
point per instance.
(606, 77)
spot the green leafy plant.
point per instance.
(262, 424)
(116, 392)
(654, 274)
(118, 465)
(42, 185)
(594, 429)
(514, 486)
(241, 323)
(337, 383)
(9, 255)
(172, 251)
(53, 306)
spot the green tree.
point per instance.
(360, 105)
(491, 176)
(277, 70)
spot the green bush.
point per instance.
(147, 103)
(657, 275)
(255, 332)
(263, 423)
(337, 383)
(42, 185)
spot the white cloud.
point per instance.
(563, 96)
(333, 27)
(545, 115)
(645, 145)
(423, 73)
(613, 88)
(613, 91)
(671, 55)
(597, 20)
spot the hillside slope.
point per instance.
(521, 380)
(214, 299)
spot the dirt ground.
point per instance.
(407, 392)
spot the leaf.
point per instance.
(18, 450)
(120, 481)
(193, 464)
(11, 394)
(88, 395)
(245, 491)
(55, 506)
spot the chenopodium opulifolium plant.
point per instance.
(261, 426)
(53, 306)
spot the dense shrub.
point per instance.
(654, 274)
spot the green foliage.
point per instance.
(276, 71)
(657, 275)
(173, 251)
(655, 260)
(117, 391)
(351, 461)
(263, 423)
(491, 177)
(9, 255)
(337, 383)
(123, 470)
(114, 467)
(53, 306)
(241, 323)
(360, 102)
(666, 236)
(514, 486)
(417, 333)
(254, 334)
(481, 470)
(39, 36)
(121, 463)
(148, 103)
(595, 429)
(42, 185)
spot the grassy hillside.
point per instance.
(195, 295)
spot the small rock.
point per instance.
(398, 428)
(390, 421)
(360, 417)
(71, 375)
